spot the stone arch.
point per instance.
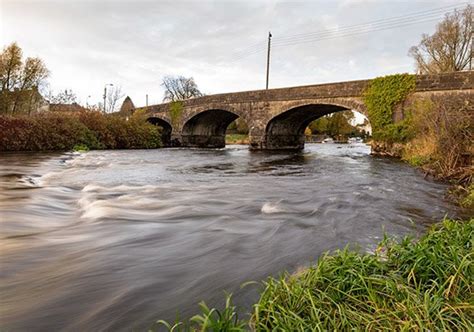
(285, 130)
(207, 128)
(190, 112)
(166, 129)
(349, 103)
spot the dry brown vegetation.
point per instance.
(442, 144)
(443, 137)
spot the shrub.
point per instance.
(441, 137)
(15, 133)
(80, 147)
(64, 131)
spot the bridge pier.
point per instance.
(284, 142)
(277, 142)
(203, 141)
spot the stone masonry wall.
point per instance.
(258, 107)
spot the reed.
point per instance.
(405, 285)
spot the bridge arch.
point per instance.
(207, 128)
(166, 129)
(286, 129)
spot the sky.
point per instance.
(221, 44)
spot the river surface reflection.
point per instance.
(114, 240)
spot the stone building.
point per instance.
(127, 107)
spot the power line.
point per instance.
(238, 58)
(435, 11)
(350, 30)
(278, 43)
(372, 27)
(250, 48)
(354, 33)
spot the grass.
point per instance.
(236, 139)
(406, 285)
(468, 200)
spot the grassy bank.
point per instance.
(236, 139)
(406, 285)
(85, 130)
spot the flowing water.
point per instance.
(114, 240)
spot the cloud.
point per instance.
(222, 44)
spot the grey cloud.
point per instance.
(135, 43)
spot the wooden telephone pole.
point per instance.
(268, 56)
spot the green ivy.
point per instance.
(380, 97)
(176, 110)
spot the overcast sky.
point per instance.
(222, 44)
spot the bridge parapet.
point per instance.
(446, 81)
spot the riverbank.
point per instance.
(404, 285)
(233, 139)
(82, 130)
(450, 164)
(424, 130)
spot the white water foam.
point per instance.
(92, 187)
(269, 208)
(99, 201)
(87, 160)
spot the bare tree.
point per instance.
(449, 48)
(114, 94)
(20, 81)
(63, 97)
(180, 88)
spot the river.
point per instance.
(114, 240)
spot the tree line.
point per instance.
(24, 87)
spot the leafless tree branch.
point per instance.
(180, 88)
(449, 48)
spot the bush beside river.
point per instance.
(405, 285)
(86, 130)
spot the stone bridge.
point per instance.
(277, 118)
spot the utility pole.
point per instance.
(105, 93)
(268, 56)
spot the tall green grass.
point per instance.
(406, 285)
(213, 319)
